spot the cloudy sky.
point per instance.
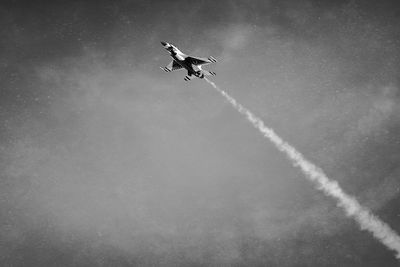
(106, 160)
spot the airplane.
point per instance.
(191, 64)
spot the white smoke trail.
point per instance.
(366, 220)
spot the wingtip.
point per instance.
(212, 59)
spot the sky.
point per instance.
(106, 160)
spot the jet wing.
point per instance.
(200, 61)
(172, 66)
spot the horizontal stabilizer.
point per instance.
(207, 72)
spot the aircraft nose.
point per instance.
(164, 43)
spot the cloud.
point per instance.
(103, 152)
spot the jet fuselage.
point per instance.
(180, 58)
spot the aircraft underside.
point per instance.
(191, 64)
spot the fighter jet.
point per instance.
(191, 64)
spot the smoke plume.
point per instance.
(366, 220)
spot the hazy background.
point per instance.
(106, 160)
